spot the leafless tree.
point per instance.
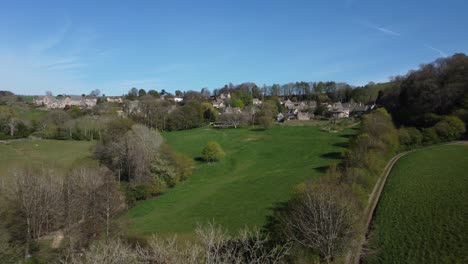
(234, 119)
(167, 250)
(142, 145)
(91, 200)
(36, 194)
(323, 217)
(246, 247)
(213, 245)
(111, 252)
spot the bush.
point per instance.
(450, 128)
(137, 193)
(409, 137)
(212, 152)
(430, 136)
(265, 122)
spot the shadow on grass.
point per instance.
(199, 159)
(332, 155)
(322, 169)
(347, 136)
(341, 144)
(273, 226)
(258, 129)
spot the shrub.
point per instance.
(404, 137)
(212, 152)
(410, 137)
(415, 135)
(265, 122)
(450, 128)
(430, 136)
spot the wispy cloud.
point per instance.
(62, 64)
(52, 40)
(441, 53)
(49, 62)
(383, 30)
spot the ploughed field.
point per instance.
(422, 216)
(50, 153)
(260, 169)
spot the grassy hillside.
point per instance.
(63, 154)
(422, 216)
(27, 113)
(260, 169)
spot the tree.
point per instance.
(265, 121)
(430, 136)
(141, 92)
(35, 195)
(10, 118)
(212, 152)
(129, 150)
(107, 252)
(450, 128)
(132, 94)
(268, 112)
(438, 87)
(179, 93)
(142, 145)
(410, 137)
(54, 124)
(96, 92)
(212, 245)
(234, 119)
(237, 103)
(154, 93)
(91, 199)
(210, 114)
(322, 217)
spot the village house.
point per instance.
(343, 113)
(232, 110)
(218, 103)
(303, 116)
(280, 117)
(288, 104)
(256, 101)
(131, 107)
(51, 102)
(224, 96)
(114, 99)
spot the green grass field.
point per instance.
(27, 113)
(260, 169)
(422, 216)
(57, 153)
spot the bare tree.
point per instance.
(36, 195)
(91, 200)
(234, 119)
(112, 252)
(142, 146)
(323, 217)
(166, 250)
(213, 245)
(246, 247)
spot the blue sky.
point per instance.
(75, 46)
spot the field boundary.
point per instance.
(355, 253)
